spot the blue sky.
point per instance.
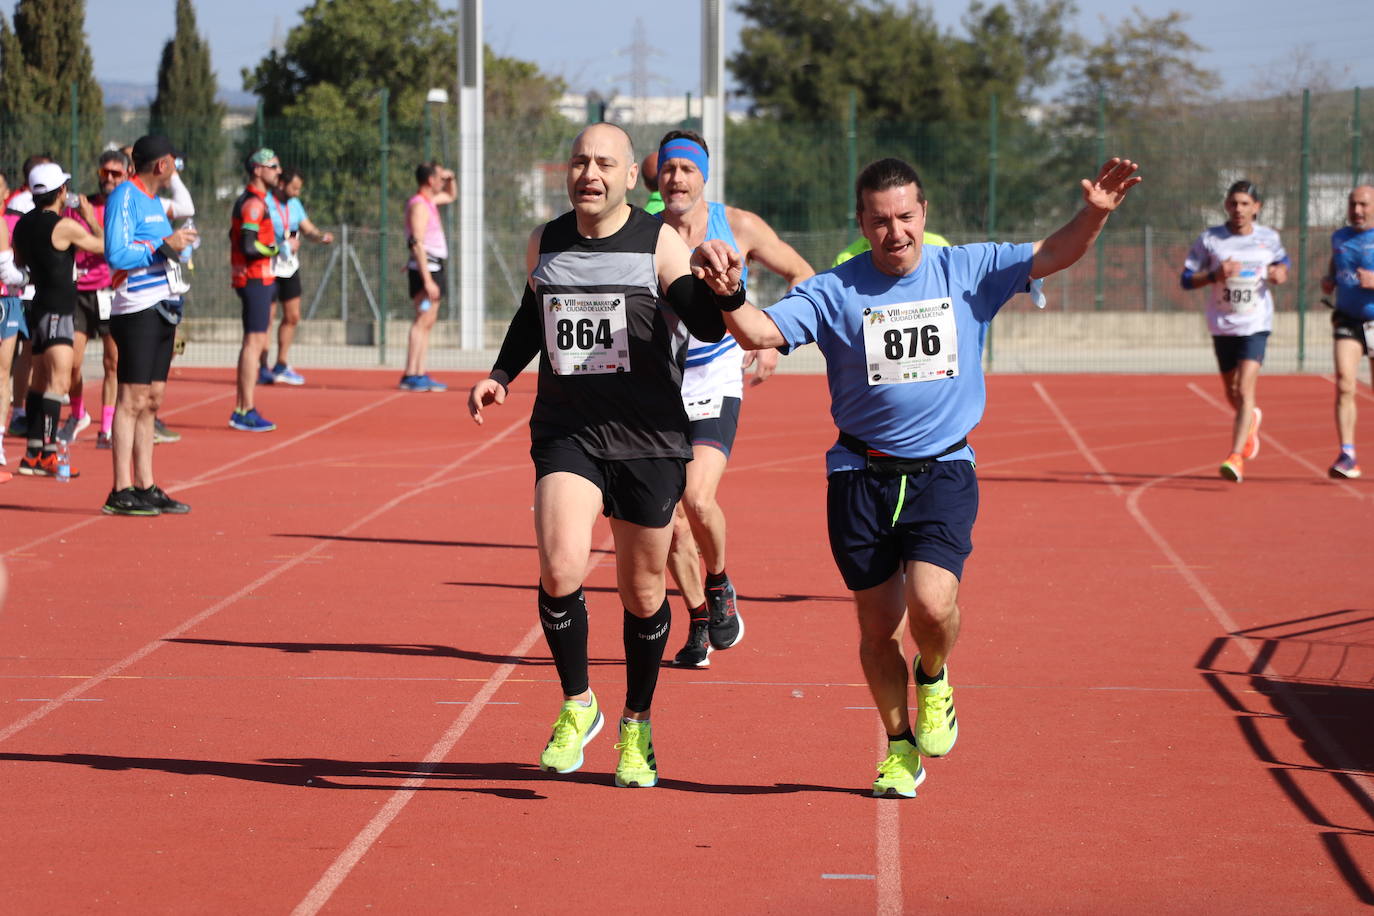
(1265, 44)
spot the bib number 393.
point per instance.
(911, 342)
(586, 335)
(1242, 291)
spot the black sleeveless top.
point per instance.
(52, 272)
(612, 349)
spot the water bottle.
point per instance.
(64, 462)
(186, 253)
(1037, 293)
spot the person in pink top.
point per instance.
(428, 254)
(93, 295)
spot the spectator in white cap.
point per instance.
(45, 243)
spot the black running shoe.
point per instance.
(697, 651)
(155, 497)
(727, 626)
(128, 502)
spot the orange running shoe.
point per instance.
(1252, 441)
(1233, 468)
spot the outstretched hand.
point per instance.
(1116, 177)
(719, 265)
(485, 393)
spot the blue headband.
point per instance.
(682, 148)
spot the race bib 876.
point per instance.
(911, 342)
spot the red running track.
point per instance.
(325, 689)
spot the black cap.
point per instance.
(149, 149)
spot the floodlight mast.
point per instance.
(471, 264)
(713, 93)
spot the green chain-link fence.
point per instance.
(1119, 309)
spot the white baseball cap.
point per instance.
(47, 176)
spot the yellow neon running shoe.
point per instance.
(637, 768)
(1233, 468)
(900, 773)
(576, 725)
(936, 725)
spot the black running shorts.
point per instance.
(877, 521)
(417, 282)
(642, 491)
(144, 340)
(288, 287)
(88, 320)
(1348, 327)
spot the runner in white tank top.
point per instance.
(712, 388)
(1241, 260)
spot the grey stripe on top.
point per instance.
(597, 268)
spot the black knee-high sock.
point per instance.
(33, 413)
(565, 630)
(645, 640)
(52, 419)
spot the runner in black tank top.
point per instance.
(46, 243)
(607, 309)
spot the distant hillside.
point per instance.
(138, 95)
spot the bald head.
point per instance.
(648, 170)
(603, 133)
(1360, 207)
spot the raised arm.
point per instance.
(694, 298)
(1100, 197)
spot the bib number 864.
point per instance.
(923, 340)
(584, 334)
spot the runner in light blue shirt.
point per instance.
(1351, 277)
(902, 328)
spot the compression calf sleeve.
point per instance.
(645, 640)
(565, 629)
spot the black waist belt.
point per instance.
(893, 465)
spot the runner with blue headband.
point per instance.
(712, 390)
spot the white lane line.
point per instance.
(1274, 443)
(888, 851)
(434, 480)
(199, 480)
(848, 877)
(319, 895)
(1332, 748)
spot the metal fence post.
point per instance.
(383, 255)
(343, 278)
(1355, 142)
(992, 197)
(259, 126)
(1100, 281)
(852, 134)
(76, 134)
(1302, 224)
(1149, 279)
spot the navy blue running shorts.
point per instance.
(719, 432)
(256, 298)
(1231, 350)
(878, 521)
(642, 491)
(1348, 327)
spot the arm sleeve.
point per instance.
(10, 274)
(180, 206)
(522, 338)
(254, 250)
(698, 308)
(122, 251)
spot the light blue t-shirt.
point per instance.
(873, 327)
(1351, 249)
(294, 212)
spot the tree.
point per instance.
(44, 55)
(800, 59)
(186, 108)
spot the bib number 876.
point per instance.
(585, 334)
(923, 340)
